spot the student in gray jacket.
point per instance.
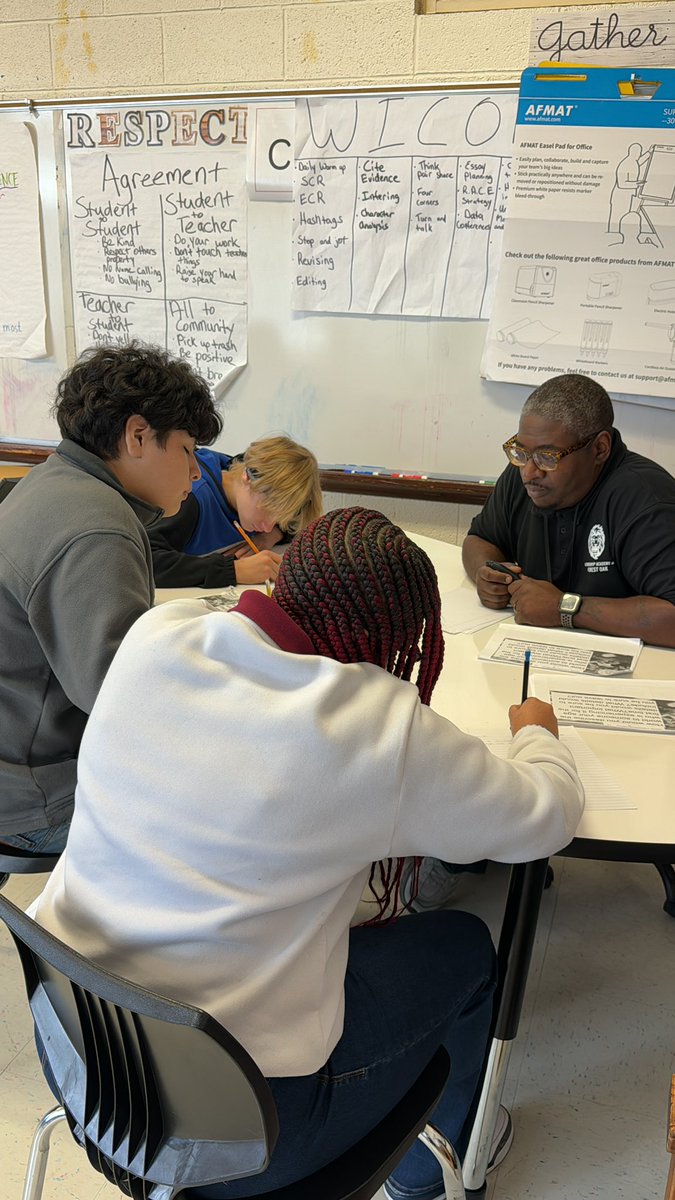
(76, 568)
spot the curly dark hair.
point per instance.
(109, 384)
(364, 592)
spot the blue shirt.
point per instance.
(214, 529)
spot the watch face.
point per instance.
(570, 602)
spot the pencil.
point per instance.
(254, 548)
(526, 674)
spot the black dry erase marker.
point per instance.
(526, 674)
(497, 566)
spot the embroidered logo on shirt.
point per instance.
(596, 542)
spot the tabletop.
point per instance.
(476, 695)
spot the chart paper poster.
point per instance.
(158, 225)
(22, 297)
(587, 279)
(399, 203)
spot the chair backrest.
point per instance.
(19, 862)
(6, 486)
(158, 1092)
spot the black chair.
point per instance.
(19, 862)
(6, 486)
(163, 1098)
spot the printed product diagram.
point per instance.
(587, 278)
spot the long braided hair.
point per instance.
(364, 592)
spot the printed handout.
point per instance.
(587, 279)
(601, 788)
(635, 705)
(222, 601)
(563, 650)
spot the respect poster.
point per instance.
(157, 211)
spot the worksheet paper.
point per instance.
(600, 787)
(462, 611)
(224, 600)
(563, 650)
(400, 201)
(637, 706)
(157, 210)
(587, 279)
(22, 295)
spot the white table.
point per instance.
(476, 695)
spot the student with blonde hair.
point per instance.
(272, 490)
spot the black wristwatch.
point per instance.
(569, 605)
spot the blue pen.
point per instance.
(526, 674)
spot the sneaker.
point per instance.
(502, 1139)
(435, 887)
(388, 1196)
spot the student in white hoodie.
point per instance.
(235, 891)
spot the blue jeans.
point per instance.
(39, 841)
(425, 981)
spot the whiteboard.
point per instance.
(397, 392)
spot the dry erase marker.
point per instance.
(254, 548)
(526, 674)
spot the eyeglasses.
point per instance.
(546, 458)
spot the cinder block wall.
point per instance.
(101, 47)
(79, 48)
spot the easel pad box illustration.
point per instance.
(588, 253)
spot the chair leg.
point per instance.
(667, 874)
(3, 881)
(39, 1151)
(444, 1152)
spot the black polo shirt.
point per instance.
(618, 541)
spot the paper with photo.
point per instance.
(223, 600)
(563, 650)
(635, 705)
(600, 787)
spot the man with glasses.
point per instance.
(584, 527)
(585, 530)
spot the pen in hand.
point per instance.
(538, 712)
(254, 548)
(526, 674)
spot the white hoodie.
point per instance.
(234, 788)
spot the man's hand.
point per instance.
(535, 602)
(532, 712)
(493, 586)
(257, 568)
